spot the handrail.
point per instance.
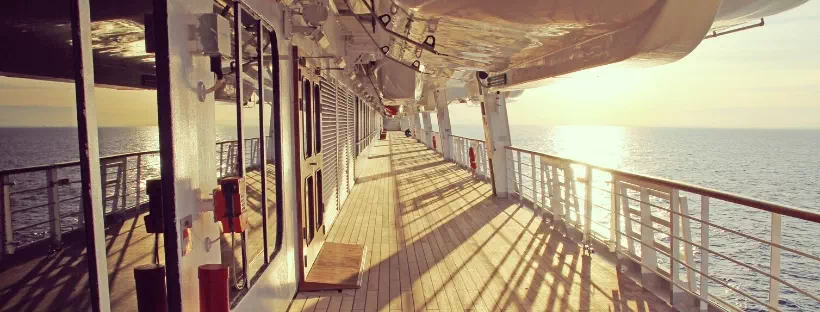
(366, 137)
(68, 163)
(642, 207)
(466, 138)
(793, 212)
(77, 162)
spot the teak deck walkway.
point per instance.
(437, 239)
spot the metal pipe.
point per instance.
(260, 30)
(716, 194)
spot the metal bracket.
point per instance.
(424, 45)
(385, 19)
(430, 41)
(717, 34)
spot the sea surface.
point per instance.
(781, 166)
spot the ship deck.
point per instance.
(437, 240)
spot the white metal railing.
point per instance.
(42, 202)
(650, 221)
(365, 142)
(460, 151)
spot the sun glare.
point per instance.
(597, 145)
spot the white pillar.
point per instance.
(443, 114)
(415, 121)
(428, 129)
(91, 191)
(497, 136)
(187, 148)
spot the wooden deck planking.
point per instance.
(437, 240)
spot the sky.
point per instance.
(767, 77)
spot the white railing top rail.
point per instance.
(784, 210)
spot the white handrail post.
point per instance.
(5, 214)
(568, 194)
(626, 213)
(520, 184)
(543, 187)
(774, 285)
(555, 201)
(54, 207)
(614, 233)
(674, 243)
(533, 179)
(688, 251)
(704, 254)
(104, 184)
(138, 188)
(588, 207)
(124, 178)
(649, 258)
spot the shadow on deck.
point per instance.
(438, 240)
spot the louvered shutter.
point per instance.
(341, 106)
(330, 158)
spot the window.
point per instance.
(257, 133)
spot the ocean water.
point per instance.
(781, 166)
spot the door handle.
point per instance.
(313, 164)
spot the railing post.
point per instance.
(123, 177)
(674, 243)
(774, 285)
(138, 188)
(704, 254)
(614, 235)
(555, 192)
(569, 186)
(588, 206)
(221, 162)
(510, 176)
(7, 232)
(649, 258)
(686, 233)
(54, 207)
(544, 180)
(626, 213)
(533, 179)
(520, 185)
(104, 184)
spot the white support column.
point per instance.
(415, 122)
(91, 191)
(187, 145)
(497, 136)
(444, 127)
(428, 129)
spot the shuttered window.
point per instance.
(330, 157)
